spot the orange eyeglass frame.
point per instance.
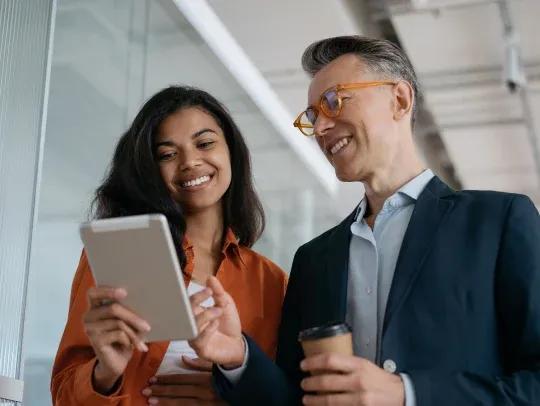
(337, 88)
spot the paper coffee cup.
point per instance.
(332, 337)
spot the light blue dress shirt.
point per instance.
(373, 256)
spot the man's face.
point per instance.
(362, 139)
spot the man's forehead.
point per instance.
(345, 69)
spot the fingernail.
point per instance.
(153, 380)
(146, 326)
(153, 401)
(120, 293)
(302, 365)
(144, 347)
(147, 391)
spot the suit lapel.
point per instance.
(428, 213)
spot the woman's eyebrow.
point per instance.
(167, 143)
(201, 132)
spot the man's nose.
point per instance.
(322, 124)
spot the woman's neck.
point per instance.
(205, 231)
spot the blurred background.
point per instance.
(478, 62)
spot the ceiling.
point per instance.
(97, 88)
(131, 49)
(457, 49)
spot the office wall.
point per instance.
(24, 46)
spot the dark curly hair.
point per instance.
(133, 184)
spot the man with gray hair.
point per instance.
(441, 287)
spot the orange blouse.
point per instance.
(255, 283)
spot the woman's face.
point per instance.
(193, 159)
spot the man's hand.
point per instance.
(220, 332)
(184, 389)
(349, 380)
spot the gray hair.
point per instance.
(379, 55)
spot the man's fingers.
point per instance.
(332, 362)
(327, 383)
(97, 295)
(333, 399)
(197, 364)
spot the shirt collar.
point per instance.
(415, 186)
(411, 190)
(229, 241)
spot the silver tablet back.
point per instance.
(137, 253)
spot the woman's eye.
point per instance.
(166, 156)
(205, 144)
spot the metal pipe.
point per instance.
(407, 7)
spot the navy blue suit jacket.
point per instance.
(463, 314)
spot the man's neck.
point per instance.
(384, 183)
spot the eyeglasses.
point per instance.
(330, 104)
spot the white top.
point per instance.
(172, 361)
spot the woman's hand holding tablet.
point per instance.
(113, 331)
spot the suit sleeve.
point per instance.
(518, 311)
(263, 381)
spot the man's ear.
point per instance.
(403, 99)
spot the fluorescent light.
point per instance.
(220, 40)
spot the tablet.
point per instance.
(137, 253)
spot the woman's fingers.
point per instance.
(184, 402)
(114, 317)
(221, 297)
(183, 391)
(95, 329)
(106, 339)
(117, 311)
(103, 294)
(206, 316)
(201, 343)
(182, 379)
(198, 298)
(197, 364)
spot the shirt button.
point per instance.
(389, 366)
(368, 291)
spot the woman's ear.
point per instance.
(403, 100)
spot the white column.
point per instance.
(25, 32)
